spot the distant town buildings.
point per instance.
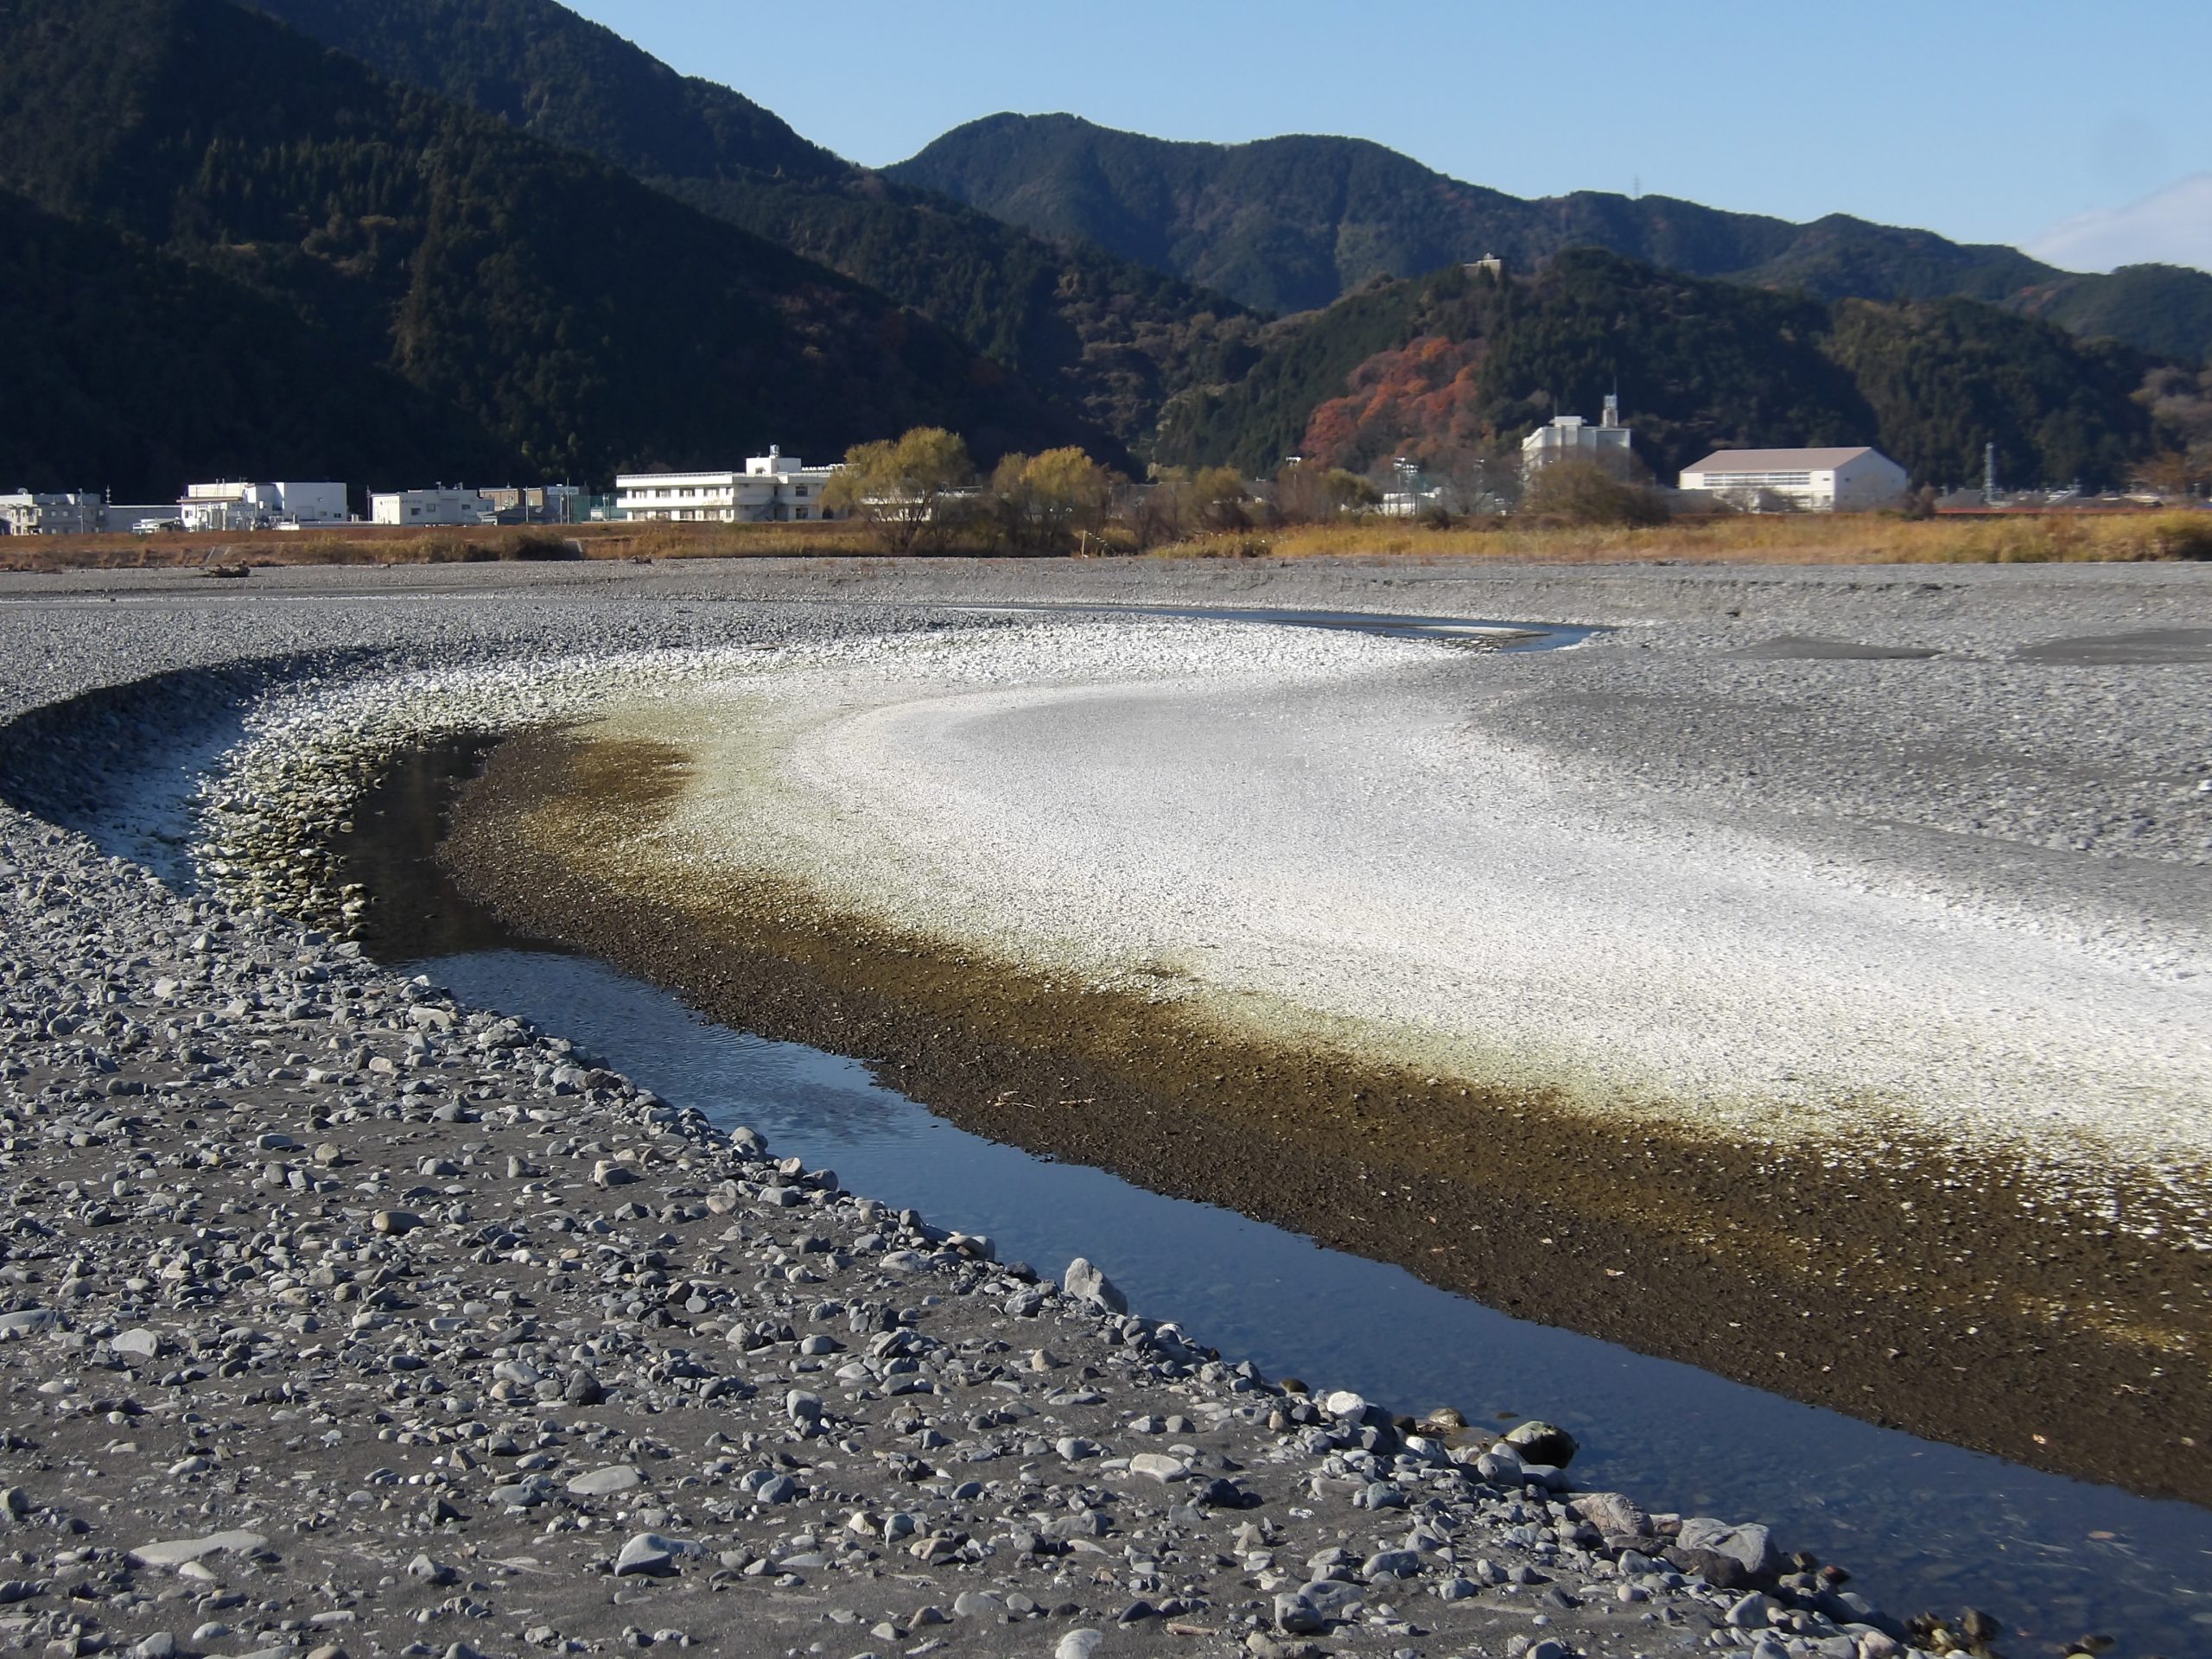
(436, 506)
(1569, 437)
(544, 504)
(772, 488)
(1857, 480)
(61, 512)
(540, 504)
(239, 506)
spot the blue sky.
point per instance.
(1986, 121)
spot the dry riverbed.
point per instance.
(342, 1317)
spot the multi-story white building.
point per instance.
(438, 507)
(1569, 437)
(233, 506)
(53, 512)
(773, 487)
(1807, 481)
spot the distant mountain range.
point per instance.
(1293, 224)
(406, 240)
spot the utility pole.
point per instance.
(1989, 474)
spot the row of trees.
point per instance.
(922, 493)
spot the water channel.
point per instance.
(1920, 1525)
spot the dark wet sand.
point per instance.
(1910, 1291)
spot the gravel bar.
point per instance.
(341, 1319)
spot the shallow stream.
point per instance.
(1920, 1525)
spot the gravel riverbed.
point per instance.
(343, 1318)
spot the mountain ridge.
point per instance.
(1112, 339)
(1295, 222)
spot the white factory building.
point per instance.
(437, 506)
(772, 488)
(544, 504)
(234, 506)
(1806, 480)
(1569, 437)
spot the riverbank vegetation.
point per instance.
(1843, 538)
(1806, 538)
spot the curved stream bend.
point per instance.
(1279, 927)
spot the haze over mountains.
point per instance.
(439, 237)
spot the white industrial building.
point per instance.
(538, 503)
(1569, 437)
(235, 506)
(53, 512)
(1806, 480)
(772, 488)
(437, 506)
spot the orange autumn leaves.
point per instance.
(1422, 399)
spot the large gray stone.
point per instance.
(1750, 1546)
(646, 1553)
(1160, 1467)
(175, 1552)
(1087, 1284)
(1542, 1442)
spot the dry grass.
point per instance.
(372, 545)
(1854, 539)
(1865, 538)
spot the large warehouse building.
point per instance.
(1807, 480)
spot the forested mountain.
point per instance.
(1111, 338)
(2163, 309)
(582, 320)
(562, 78)
(1457, 367)
(1292, 223)
(131, 369)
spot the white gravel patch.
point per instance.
(1300, 829)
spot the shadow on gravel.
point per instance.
(71, 762)
(2152, 646)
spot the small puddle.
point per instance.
(1920, 1525)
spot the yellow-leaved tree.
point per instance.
(906, 488)
(1042, 502)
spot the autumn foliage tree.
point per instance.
(1309, 494)
(1046, 503)
(906, 488)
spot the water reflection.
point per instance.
(1921, 1524)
